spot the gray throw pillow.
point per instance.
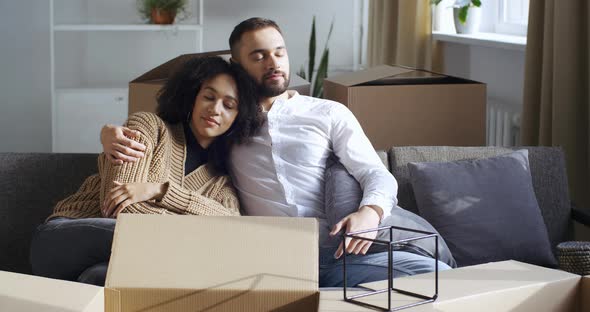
(343, 197)
(486, 209)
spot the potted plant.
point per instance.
(317, 89)
(467, 14)
(161, 11)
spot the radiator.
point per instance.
(503, 124)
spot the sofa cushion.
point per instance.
(486, 208)
(32, 184)
(548, 171)
(343, 196)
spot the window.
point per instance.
(513, 17)
(507, 17)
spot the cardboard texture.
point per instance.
(499, 286)
(21, 292)
(144, 89)
(398, 106)
(584, 294)
(194, 263)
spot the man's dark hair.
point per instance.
(253, 23)
(176, 101)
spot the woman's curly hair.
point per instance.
(177, 97)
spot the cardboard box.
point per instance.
(500, 286)
(584, 294)
(398, 106)
(21, 292)
(195, 263)
(143, 89)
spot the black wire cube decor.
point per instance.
(390, 246)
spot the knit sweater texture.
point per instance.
(198, 193)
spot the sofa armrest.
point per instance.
(581, 215)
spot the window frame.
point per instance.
(503, 25)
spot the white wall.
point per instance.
(25, 104)
(294, 18)
(501, 69)
(25, 96)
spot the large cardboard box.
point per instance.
(584, 294)
(144, 89)
(399, 106)
(195, 263)
(494, 287)
(25, 293)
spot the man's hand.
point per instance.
(118, 146)
(365, 218)
(125, 194)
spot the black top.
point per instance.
(195, 154)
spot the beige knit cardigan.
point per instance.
(198, 193)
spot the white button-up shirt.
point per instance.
(281, 171)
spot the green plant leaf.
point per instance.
(145, 6)
(301, 72)
(311, 50)
(463, 14)
(477, 3)
(435, 2)
(329, 34)
(318, 87)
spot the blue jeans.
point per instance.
(371, 267)
(73, 249)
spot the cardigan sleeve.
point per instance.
(85, 203)
(221, 200)
(151, 128)
(177, 199)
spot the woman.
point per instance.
(203, 109)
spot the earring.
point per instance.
(188, 118)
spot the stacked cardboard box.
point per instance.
(399, 106)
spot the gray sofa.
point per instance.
(31, 184)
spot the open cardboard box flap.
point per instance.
(163, 71)
(393, 75)
(219, 263)
(370, 74)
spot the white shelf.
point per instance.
(95, 89)
(130, 27)
(491, 40)
(97, 47)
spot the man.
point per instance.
(281, 172)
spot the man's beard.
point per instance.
(273, 89)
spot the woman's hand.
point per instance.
(364, 219)
(125, 194)
(118, 146)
